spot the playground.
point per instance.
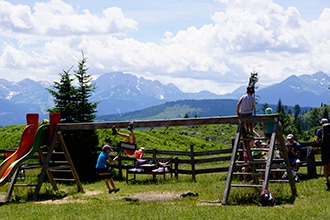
(211, 188)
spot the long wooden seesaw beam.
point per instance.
(167, 122)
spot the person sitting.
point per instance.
(130, 138)
(293, 148)
(138, 154)
(103, 171)
(268, 127)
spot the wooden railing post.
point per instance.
(120, 168)
(192, 159)
(176, 167)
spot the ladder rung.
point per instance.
(59, 161)
(55, 152)
(30, 166)
(61, 167)
(259, 149)
(246, 185)
(279, 181)
(247, 173)
(27, 185)
(59, 171)
(255, 161)
(272, 170)
(62, 179)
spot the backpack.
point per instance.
(326, 134)
(266, 198)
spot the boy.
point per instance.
(103, 171)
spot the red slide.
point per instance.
(24, 147)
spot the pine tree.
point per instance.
(74, 105)
(64, 94)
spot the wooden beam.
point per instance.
(167, 122)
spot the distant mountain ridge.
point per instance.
(119, 93)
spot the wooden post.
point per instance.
(192, 158)
(232, 165)
(154, 154)
(120, 168)
(176, 167)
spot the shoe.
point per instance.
(116, 189)
(114, 130)
(111, 190)
(285, 175)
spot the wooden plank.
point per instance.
(247, 185)
(166, 122)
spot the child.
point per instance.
(129, 138)
(103, 171)
(138, 154)
(245, 107)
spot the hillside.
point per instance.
(178, 109)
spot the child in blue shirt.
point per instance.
(103, 171)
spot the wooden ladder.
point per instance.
(57, 162)
(49, 166)
(241, 137)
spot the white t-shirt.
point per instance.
(247, 104)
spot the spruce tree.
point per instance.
(86, 109)
(64, 94)
(74, 105)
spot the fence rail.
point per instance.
(184, 161)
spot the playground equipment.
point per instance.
(57, 138)
(240, 136)
(24, 151)
(36, 140)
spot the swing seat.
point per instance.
(129, 148)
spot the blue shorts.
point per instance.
(293, 161)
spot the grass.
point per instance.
(161, 200)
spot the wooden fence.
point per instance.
(185, 162)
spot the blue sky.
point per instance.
(195, 44)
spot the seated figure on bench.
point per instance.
(293, 148)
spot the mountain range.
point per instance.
(120, 93)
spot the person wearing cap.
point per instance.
(245, 107)
(325, 152)
(268, 127)
(293, 148)
(103, 171)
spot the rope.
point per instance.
(157, 137)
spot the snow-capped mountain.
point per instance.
(119, 93)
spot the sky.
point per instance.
(197, 45)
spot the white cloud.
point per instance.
(239, 37)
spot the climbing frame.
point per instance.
(241, 137)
